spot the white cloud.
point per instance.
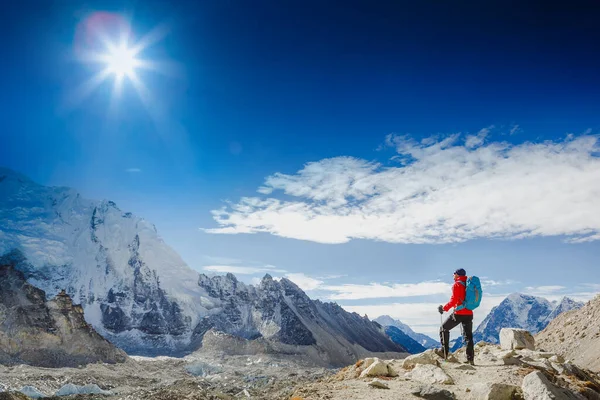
(378, 290)
(327, 277)
(304, 282)
(514, 129)
(535, 290)
(235, 269)
(133, 170)
(473, 141)
(442, 192)
(490, 282)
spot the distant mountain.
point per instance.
(423, 340)
(519, 311)
(404, 340)
(137, 292)
(46, 333)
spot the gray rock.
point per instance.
(432, 393)
(426, 357)
(515, 339)
(430, 374)
(492, 391)
(537, 387)
(378, 384)
(377, 368)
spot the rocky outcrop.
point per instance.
(575, 335)
(516, 339)
(46, 333)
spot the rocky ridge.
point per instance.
(46, 333)
(575, 335)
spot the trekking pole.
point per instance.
(442, 336)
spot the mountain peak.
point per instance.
(7, 175)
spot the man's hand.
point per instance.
(441, 309)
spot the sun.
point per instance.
(106, 40)
(121, 61)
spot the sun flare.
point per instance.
(121, 61)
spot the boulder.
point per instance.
(493, 391)
(369, 361)
(432, 393)
(506, 357)
(379, 384)
(557, 359)
(377, 368)
(515, 339)
(391, 372)
(426, 357)
(430, 374)
(537, 387)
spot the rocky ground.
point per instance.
(576, 335)
(164, 378)
(515, 369)
(499, 374)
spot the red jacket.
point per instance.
(459, 291)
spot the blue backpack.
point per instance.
(473, 294)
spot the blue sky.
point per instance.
(425, 138)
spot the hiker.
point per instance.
(460, 315)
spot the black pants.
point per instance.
(467, 325)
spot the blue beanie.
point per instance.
(460, 272)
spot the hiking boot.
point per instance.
(439, 352)
(470, 362)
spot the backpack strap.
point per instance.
(462, 305)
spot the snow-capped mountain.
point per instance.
(520, 311)
(420, 338)
(401, 338)
(279, 311)
(137, 292)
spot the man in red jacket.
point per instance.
(461, 315)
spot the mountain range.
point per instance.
(420, 339)
(519, 310)
(137, 292)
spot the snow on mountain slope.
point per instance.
(282, 314)
(138, 293)
(519, 311)
(420, 338)
(134, 288)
